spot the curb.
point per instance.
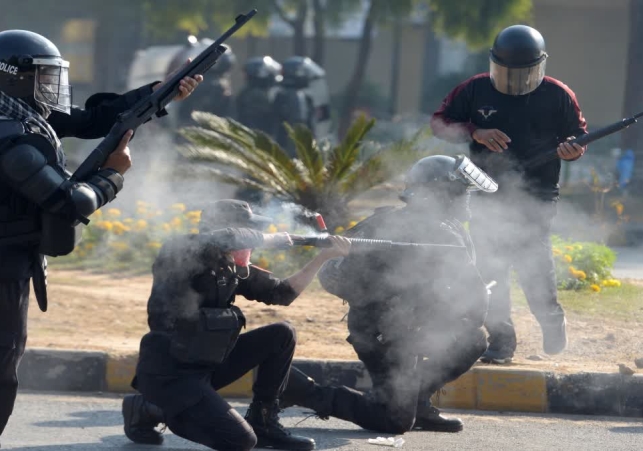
(481, 388)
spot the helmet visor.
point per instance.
(516, 81)
(52, 87)
(477, 179)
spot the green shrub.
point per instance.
(581, 265)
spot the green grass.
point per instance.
(623, 303)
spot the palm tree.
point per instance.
(321, 178)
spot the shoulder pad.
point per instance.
(39, 142)
(10, 128)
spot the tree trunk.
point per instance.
(298, 25)
(430, 68)
(356, 81)
(319, 40)
(395, 67)
(633, 99)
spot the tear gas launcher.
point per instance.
(154, 104)
(552, 154)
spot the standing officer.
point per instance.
(194, 347)
(39, 205)
(510, 115)
(255, 101)
(416, 316)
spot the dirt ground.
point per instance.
(103, 312)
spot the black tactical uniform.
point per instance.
(215, 93)
(39, 206)
(180, 367)
(293, 104)
(415, 316)
(513, 227)
(255, 101)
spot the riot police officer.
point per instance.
(215, 95)
(293, 103)
(508, 116)
(255, 101)
(194, 347)
(415, 317)
(40, 207)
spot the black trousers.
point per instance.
(212, 422)
(14, 305)
(403, 382)
(519, 239)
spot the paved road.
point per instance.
(629, 263)
(60, 422)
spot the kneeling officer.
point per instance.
(194, 347)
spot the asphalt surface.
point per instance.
(629, 263)
(69, 422)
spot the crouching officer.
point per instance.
(39, 206)
(416, 316)
(194, 347)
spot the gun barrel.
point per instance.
(365, 243)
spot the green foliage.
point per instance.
(583, 265)
(321, 178)
(478, 21)
(197, 16)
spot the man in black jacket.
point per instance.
(39, 206)
(509, 116)
(183, 362)
(416, 315)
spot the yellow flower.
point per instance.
(339, 230)
(104, 225)
(89, 246)
(166, 227)
(176, 222)
(141, 224)
(578, 247)
(119, 245)
(282, 227)
(154, 244)
(180, 208)
(194, 230)
(263, 262)
(119, 228)
(97, 214)
(128, 221)
(352, 224)
(569, 248)
(272, 229)
(556, 251)
(567, 258)
(280, 257)
(141, 211)
(595, 288)
(611, 283)
(114, 212)
(580, 275)
(194, 214)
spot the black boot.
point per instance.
(264, 419)
(139, 420)
(303, 391)
(429, 418)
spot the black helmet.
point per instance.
(263, 71)
(32, 69)
(299, 71)
(194, 48)
(445, 178)
(517, 60)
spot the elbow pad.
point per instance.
(106, 183)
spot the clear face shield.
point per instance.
(516, 81)
(475, 178)
(52, 88)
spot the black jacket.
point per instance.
(535, 123)
(95, 121)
